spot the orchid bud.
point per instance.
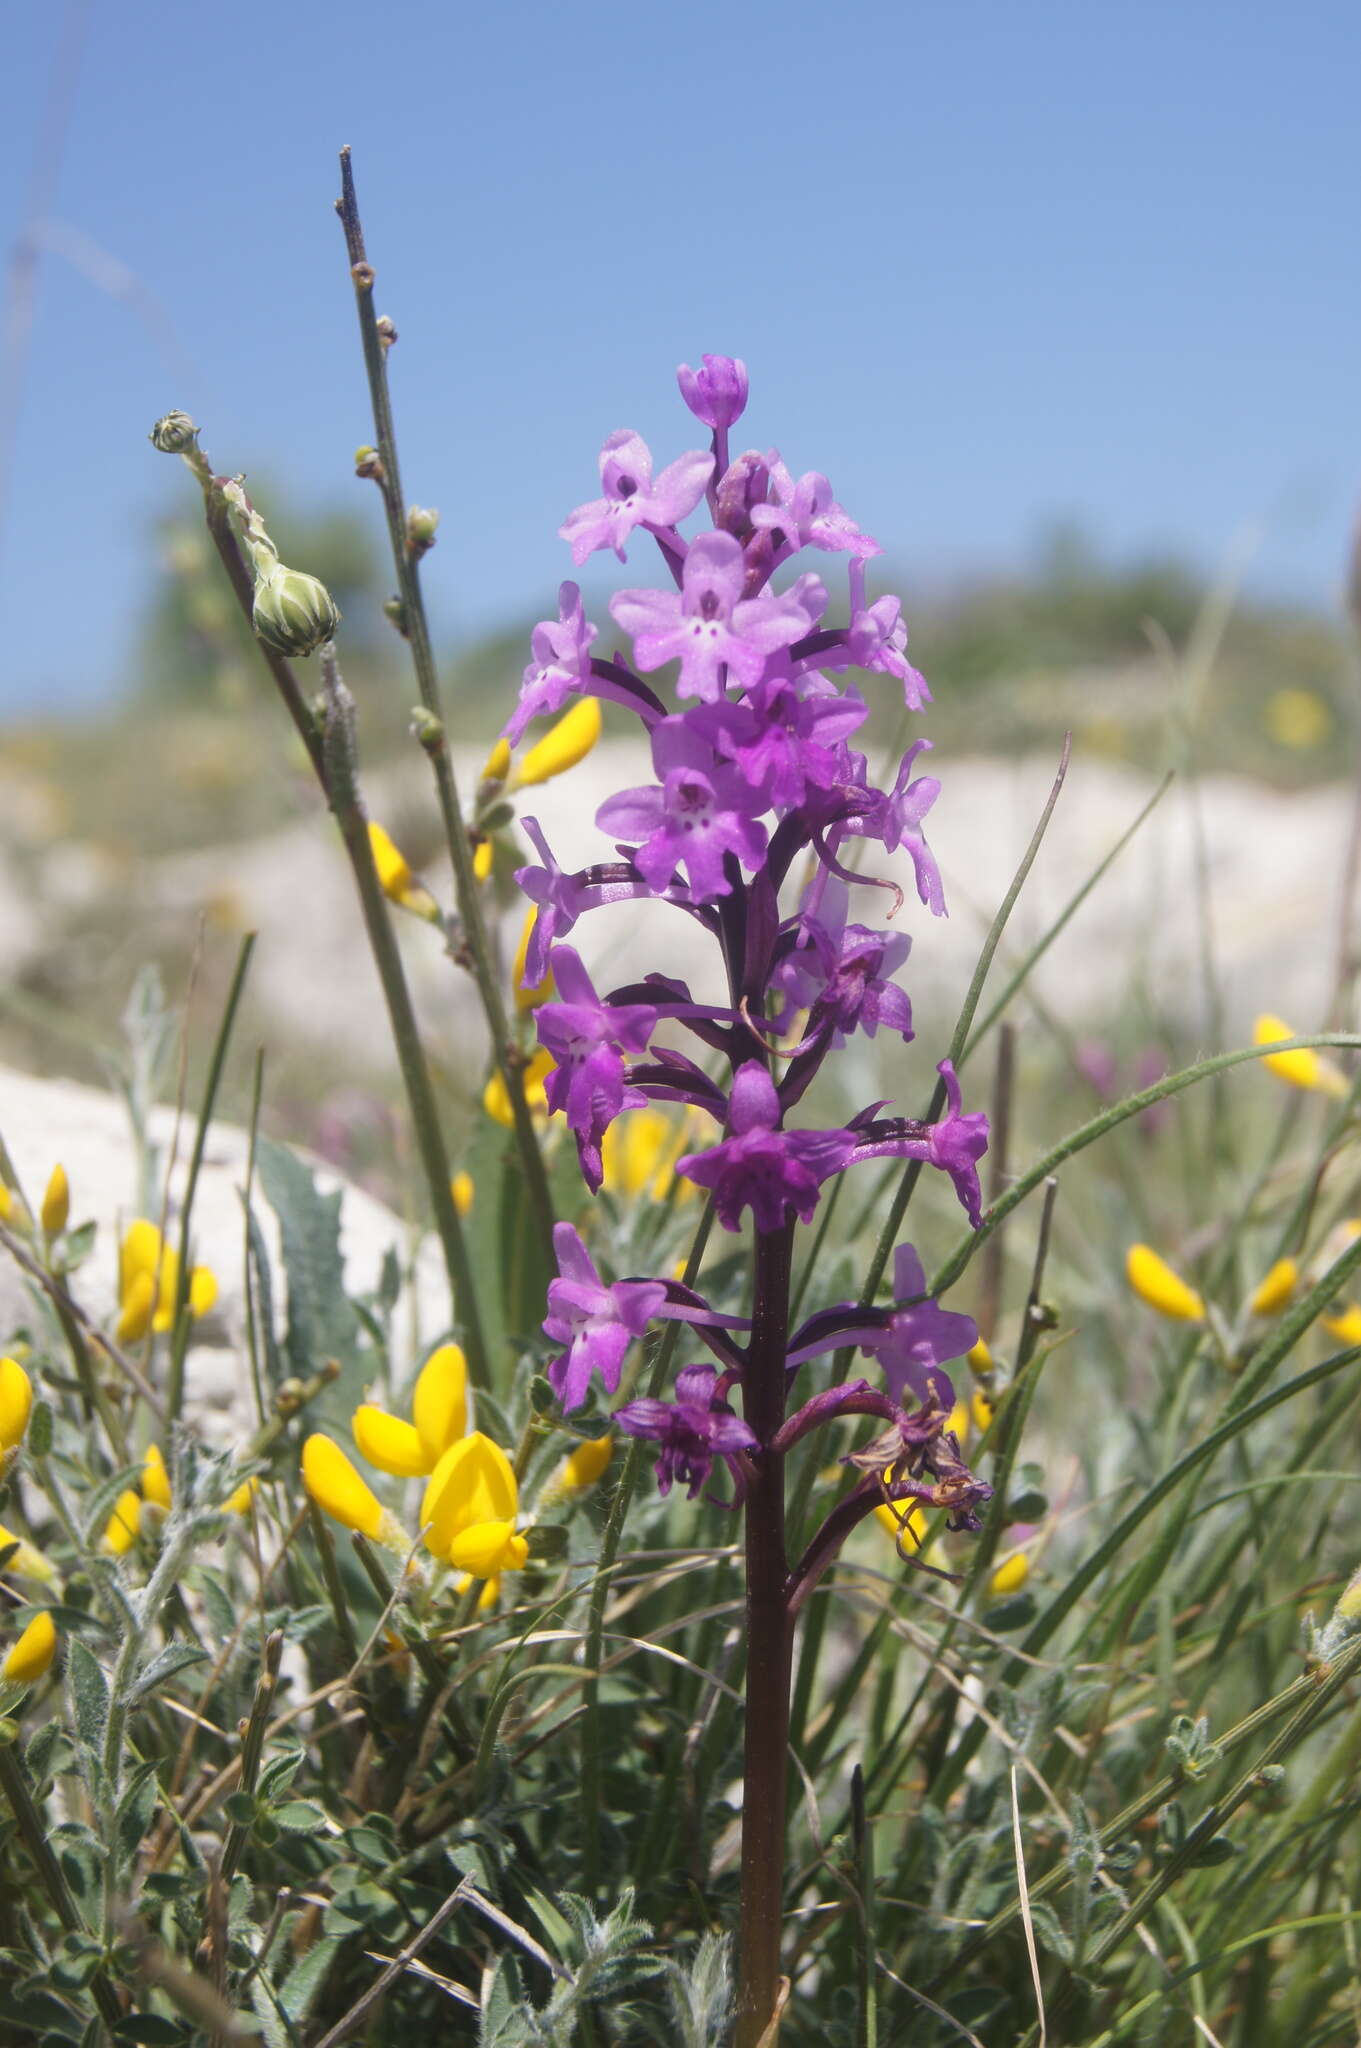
(717, 393)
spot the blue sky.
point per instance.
(990, 265)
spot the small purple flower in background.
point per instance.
(561, 663)
(758, 1166)
(596, 1320)
(588, 1039)
(702, 812)
(919, 1339)
(692, 1431)
(707, 626)
(631, 498)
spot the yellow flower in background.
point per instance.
(16, 1403)
(469, 1510)
(980, 1359)
(542, 991)
(332, 1482)
(1345, 1325)
(484, 856)
(562, 746)
(461, 1188)
(1273, 1292)
(25, 1562)
(439, 1409)
(238, 1503)
(959, 1421)
(903, 1521)
(56, 1203)
(32, 1655)
(400, 886)
(982, 1409)
(580, 1470)
(120, 1531)
(640, 1150)
(1303, 1068)
(1300, 719)
(155, 1479)
(1010, 1575)
(13, 1211)
(496, 1101)
(1154, 1282)
(148, 1282)
(496, 767)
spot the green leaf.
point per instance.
(321, 1322)
(306, 1978)
(299, 1816)
(263, 1280)
(150, 2029)
(164, 1665)
(278, 1773)
(135, 1808)
(89, 1695)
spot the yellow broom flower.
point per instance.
(120, 1531)
(980, 1359)
(1010, 1575)
(238, 1503)
(1345, 1325)
(16, 1403)
(32, 1655)
(1303, 1068)
(332, 1482)
(56, 1202)
(1273, 1292)
(496, 767)
(565, 743)
(472, 1493)
(148, 1283)
(640, 1150)
(439, 1402)
(389, 1443)
(399, 885)
(580, 1470)
(496, 1100)
(155, 1479)
(461, 1188)
(25, 1562)
(982, 1409)
(484, 856)
(1154, 1282)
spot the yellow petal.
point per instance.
(899, 1519)
(587, 1463)
(1010, 1575)
(167, 1288)
(155, 1478)
(959, 1422)
(13, 1212)
(980, 1359)
(1304, 1068)
(439, 1403)
(473, 1482)
(33, 1653)
(541, 991)
(1154, 1282)
(462, 1190)
(56, 1204)
(26, 1562)
(390, 1444)
(640, 1150)
(983, 1410)
(484, 854)
(496, 1101)
(1346, 1326)
(398, 882)
(497, 765)
(139, 1301)
(562, 746)
(1273, 1293)
(120, 1532)
(202, 1290)
(487, 1549)
(16, 1402)
(140, 1252)
(337, 1489)
(238, 1503)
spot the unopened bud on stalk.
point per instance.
(387, 333)
(293, 612)
(421, 522)
(175, 434)
(394, 611)
(368, 462)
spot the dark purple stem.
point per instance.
(766, 1734)
(857, 1398)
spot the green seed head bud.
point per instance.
(173, 435)
(293, 613)
(368, 462)
(421, 522)
(394, 611)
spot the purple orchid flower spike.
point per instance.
(785, 736)
(955, 1144)
(707, 625)
(702, 812)
(596, 1320)
(631, 497)
(691, 1431)
(877, 639)
(773, 1173)
(588, 1039)
(921, 1337)
(563, 897)
(561, 663)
